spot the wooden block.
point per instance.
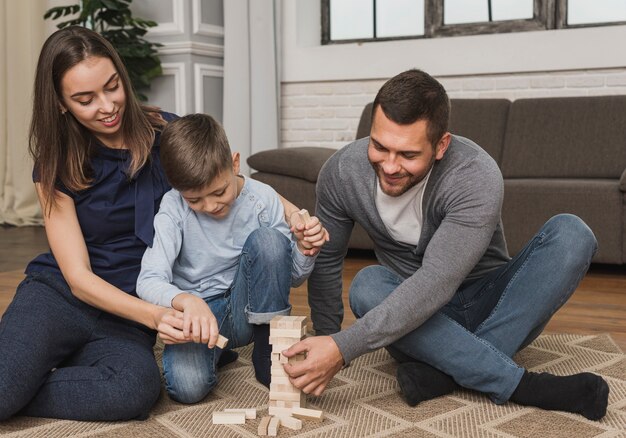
(278, 371)
(283, 359)
(229, 418)
(288, 333)
(281, 380)
(272, 428)
(278, 411)
(275, 358)
(275, 340)
(304, 216)
(250, 413)
(276, 321)
(285, 396)
(307, 414)
(278, 387)
(290, 422)
(222, 341)
(287, 322)
(297, 358)
(285, 404)
(265, 422)
(278, 348)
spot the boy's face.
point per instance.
(216, 198)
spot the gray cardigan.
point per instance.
(461, 240)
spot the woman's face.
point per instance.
(92, 91)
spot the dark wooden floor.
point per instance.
(597, 306)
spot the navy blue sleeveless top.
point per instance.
(116, 215)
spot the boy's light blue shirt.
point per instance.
(196, 253)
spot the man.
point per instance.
(446, 299)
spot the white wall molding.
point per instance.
(200, 71)
(306, 60)
(174, 27)
(177, 69)
(192, 48)
(204, 29)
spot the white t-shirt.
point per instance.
(402, 215)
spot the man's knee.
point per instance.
(574, 237)
(367, 290)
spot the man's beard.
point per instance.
(399, 190)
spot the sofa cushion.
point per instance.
(529, 203)
(482, 121)
(300, 162)
(568, 137)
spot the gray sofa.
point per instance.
(557, 155)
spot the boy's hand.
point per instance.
(309, 232)
(199, 323)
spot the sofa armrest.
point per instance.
(622, 182)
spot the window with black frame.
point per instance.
(345, 21)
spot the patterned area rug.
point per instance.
(364, 401)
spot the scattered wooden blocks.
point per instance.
(249, 413)
(286, 402)
(263, 425)
(291, 423)
(222, 341)
(229, 418)
(272, 428)
(307, 414)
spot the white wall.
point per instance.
(325, 87)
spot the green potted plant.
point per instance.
(113, 19)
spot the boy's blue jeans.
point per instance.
(259, 292)
(475, 335)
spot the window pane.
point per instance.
(597, 11)
(399, 18)
(511, 9)
(351, 19)
(465, 11)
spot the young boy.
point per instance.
(222, 254)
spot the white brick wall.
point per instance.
(327, 113)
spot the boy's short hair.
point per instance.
(194, 151)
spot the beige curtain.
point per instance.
(22, 32)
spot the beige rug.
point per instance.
(363, 401)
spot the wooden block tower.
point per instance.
(284, 332)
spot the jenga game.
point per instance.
(287, 403)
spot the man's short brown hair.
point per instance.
(415, 95)
(194, 151)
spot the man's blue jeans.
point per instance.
(259, 292)
(61, 358)
(474, 336)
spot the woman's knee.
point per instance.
(138, 392)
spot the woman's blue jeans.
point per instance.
(259, 292)
(62, 358)
(475, 335)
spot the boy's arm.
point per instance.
(155, 279)
(301, 265)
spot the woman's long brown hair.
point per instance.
(58, 143)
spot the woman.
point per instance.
(76, 341)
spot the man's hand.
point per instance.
(323, 361)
